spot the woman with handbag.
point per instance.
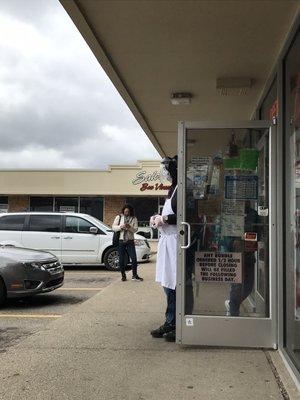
(125, 225)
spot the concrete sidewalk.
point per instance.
(103, 350)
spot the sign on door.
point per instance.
(218, 267)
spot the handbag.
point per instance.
(116, 235)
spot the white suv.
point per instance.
(74, 238)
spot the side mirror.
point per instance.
(93, 230)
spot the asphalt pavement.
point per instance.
(101, 349)
(20, 318)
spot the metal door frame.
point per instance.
(219, 330)
(260, 301)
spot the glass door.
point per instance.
(261, 285)
(226, 281)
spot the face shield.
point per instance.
(167, 166)
(165, 174)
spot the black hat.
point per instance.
(168, 161)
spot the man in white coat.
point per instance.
(166, 263)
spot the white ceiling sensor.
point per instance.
(234, 86)
(181, 98)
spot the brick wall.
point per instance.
(112, 207)
(18, 203)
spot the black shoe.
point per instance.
(137, 278)
(162, 330)
(170, 336)
(124, 278)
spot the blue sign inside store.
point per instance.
(241, 187)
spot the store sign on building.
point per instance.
(149, 181)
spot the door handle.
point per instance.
(68, 238)
(55, 237)
(189, 235)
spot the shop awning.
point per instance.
(150, 49)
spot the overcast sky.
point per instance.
(58, 109)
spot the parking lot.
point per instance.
(20, 318)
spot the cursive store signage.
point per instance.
(157, 186)
(149, 181)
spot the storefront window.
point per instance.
(87, 205)
(92, 206)
(41, 203)
(3, 203)
(144, 208)
(292, 209)
(66, 204)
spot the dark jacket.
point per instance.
(172, 218)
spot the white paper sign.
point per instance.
(218, 267)
(67, 209)
(232, 225)
(189, 321)
(233, 218)
(263, 211)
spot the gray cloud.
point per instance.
(56, 103)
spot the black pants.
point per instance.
(129, 248)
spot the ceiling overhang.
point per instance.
(150, 49)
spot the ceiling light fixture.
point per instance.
(181, 98)
(234, 86)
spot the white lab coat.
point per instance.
(166, 263)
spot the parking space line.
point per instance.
(86, 273)
(79, 289)
(4, 315)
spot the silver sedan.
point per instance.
(25, 272)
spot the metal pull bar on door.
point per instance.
(189, 235)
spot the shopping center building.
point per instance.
(219, 83)
(100, 193)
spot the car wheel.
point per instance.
(2, 292)
(111, 260)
